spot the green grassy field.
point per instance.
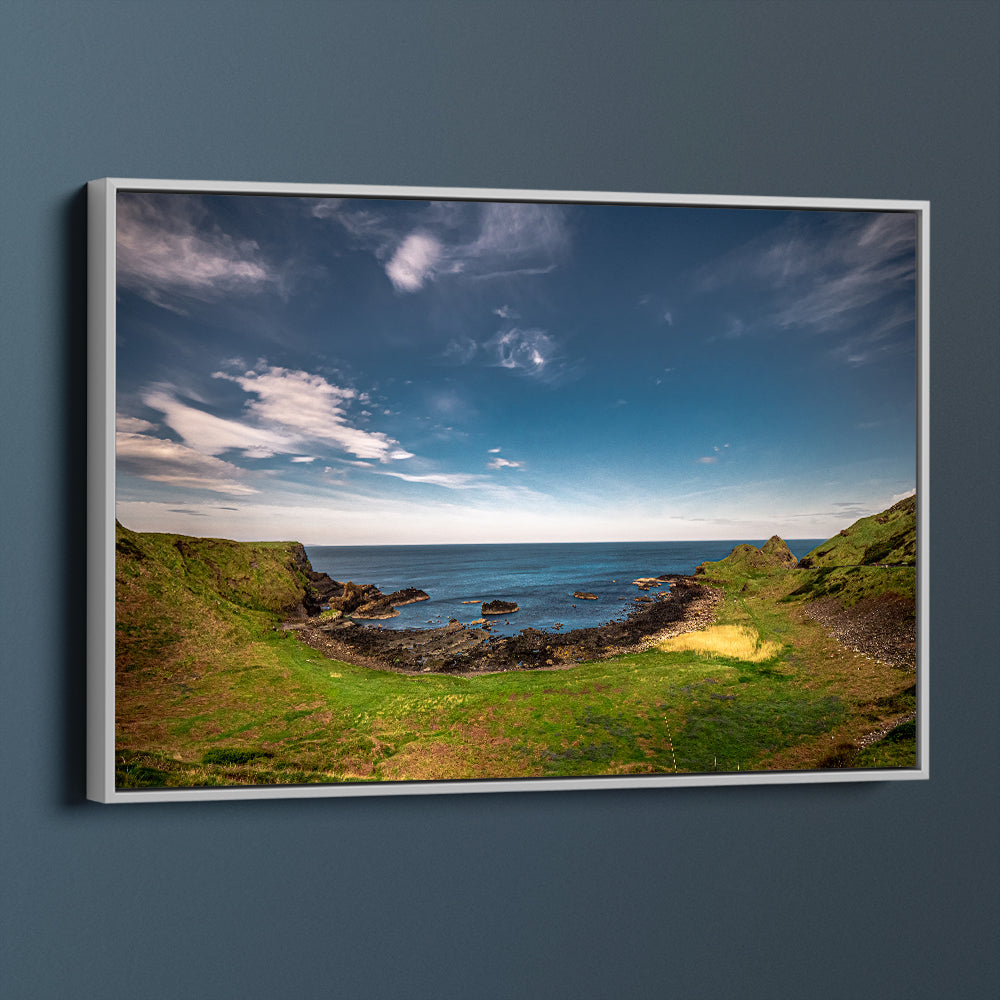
(211, 690)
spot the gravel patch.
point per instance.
(883, 628)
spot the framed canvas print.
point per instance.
(410, 490)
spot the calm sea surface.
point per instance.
(540, 578)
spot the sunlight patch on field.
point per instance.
(741, 642)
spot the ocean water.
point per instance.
(540, 578)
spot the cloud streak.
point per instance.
(286, 411)
(166, 254)
(824, 279)
(480, 241)
(163, 461)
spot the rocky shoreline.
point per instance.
(458, 648)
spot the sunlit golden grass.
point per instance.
(740, 642)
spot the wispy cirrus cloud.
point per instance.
(824, 278)
(164, 461)
(168, 253)
(449, 480)
(526, 351)
(477, 240)
(529, 352)
(364, 223)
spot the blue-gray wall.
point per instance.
(874, 890)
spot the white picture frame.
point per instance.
(105, 290)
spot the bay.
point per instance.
(539, 577)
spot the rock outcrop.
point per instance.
(747, 559)
(777, 550)
(409, 595)
(364, 600)
(499, 608)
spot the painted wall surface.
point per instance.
(881, 890)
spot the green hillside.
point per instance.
(873, 557)
(886, 539)
(748, 562)
(214, 688)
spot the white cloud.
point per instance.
(212, 435)
(167, 253)
(287, 410)
(449, 480)
(296, 406)
(505, 312)
(165, 461)
(495, 451)
(303, 458)
(527, 351)
(479, 240)
(415, 262)
(503, 463)
(500, 238)
(133, 425)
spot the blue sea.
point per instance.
(540, 578)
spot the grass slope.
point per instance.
(888, 539)
(212, 691)
(874, 556)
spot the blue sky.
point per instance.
(378, 371)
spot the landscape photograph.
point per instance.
(502, 488)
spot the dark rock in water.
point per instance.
(362, 600)
(582, 595)
(409, 595)
(379, 608)
(499, 608)
(352, 596)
